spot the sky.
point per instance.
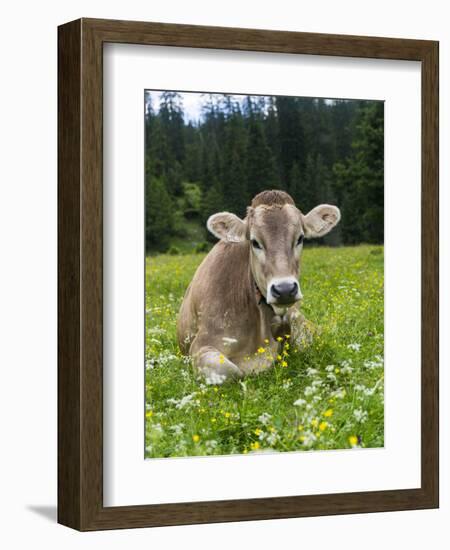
(192, 103)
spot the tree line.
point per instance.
(319, 151)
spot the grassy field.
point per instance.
(328, 396)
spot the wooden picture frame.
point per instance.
(80, 272)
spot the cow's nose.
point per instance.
(284, 291)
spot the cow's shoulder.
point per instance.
(224, 278)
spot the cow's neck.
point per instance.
(261, 299)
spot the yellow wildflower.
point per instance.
(258, 431)
(149, 414)
(328, 413)
(353, 440)
(337, 371)
(279, 357)
(279, 339)
(213, 420)
(227, 415)
(255, 445)
(314, 422)
(221, 359)
(300, 427)
(266, 340)
(323, 426)
(284, 364)
(261, 350)
(287, 335)
(195, 438)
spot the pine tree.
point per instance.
(172, 118)
(318, 150)
(158, 214)
(261, 170)
(234, 174)
(359, 180)
(291, 135)
(295, 184)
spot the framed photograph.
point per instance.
(248, 274)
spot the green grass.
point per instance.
(329, 396)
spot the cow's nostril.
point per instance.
(284, 290)
(275, 292)
(294, 288)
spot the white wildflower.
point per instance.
(183, 402)
(156, 330)
(265, 418)
(215, 379)
(354, 346)
(360, 415)
(368, 392)
(300, 402)
(177, 429)
(345, 366)
(377, 361)
(339, 393)
(211, 444)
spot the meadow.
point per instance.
(327, 396)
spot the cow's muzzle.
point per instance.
(283, 291)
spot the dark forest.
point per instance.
(318, 150)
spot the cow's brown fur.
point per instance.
(224, 318)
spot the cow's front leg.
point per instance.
(302, 331)
(214, 365)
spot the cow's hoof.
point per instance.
(216, 368)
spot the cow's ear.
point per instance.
(227, 227)
(320, 220)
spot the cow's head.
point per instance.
(275, 229)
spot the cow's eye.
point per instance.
(300, 240)
(256, 244)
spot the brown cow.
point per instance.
(246, 290)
